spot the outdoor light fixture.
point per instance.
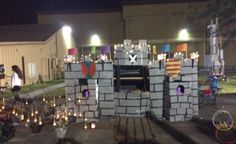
(183, 35)
(66, 31)
(95, 40)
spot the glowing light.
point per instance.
(95, 40)
(92, 125)
(66, 31)
(183, 35)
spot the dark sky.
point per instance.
(25, 11)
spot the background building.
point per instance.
(37, 49)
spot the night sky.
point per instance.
(25, 11)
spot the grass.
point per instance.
(32, 87)
(57, 92)
(227, 86)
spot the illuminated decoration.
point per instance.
(173, 67)
(183, 35)
(222, 120)
(86, 93)
(194, 56)
(95, 40)
(132, 58)
(92, 125)
(88, 69)
(160, 58)
(180, 90)
(69, 59)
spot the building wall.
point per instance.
(41, 55)
(108, 25)
(158, 23)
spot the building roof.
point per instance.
(27, 33)
(143, 2)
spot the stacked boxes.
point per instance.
(130, 103)
(106, 88)
(157, 75)
(129, 54)
(181, 106)
(101, 100)
(162, 101)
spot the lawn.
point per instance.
(32, 87)
(228, 86)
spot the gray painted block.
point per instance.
(92, 107)
(101, 96)
(91, 101)
(106, 74)
(107, 112)
(145, 102)
(157, 103)
(76, 67)
(156, 80)
(189, 111)
(175, 105)
(106, 89)
(172, 112)
(89, 115)
(183, 98)
(73, 75)
(120, 110)
(70, 90)
(129, 103)
(184, 105)
(181, 111)
(98, 67)
(156, 95)
(135, 110)
(104, 82)
(92, 81)
(109, 97)
(187, 78)
(158, 87)
(83, 108)
(179, 118)
(108, 66)
(173, 99)
(106, 104)
(195, 100)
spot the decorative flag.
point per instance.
(154, 50)
(88, 69)
(182, 47)
(165, 48)
(73, 51)
(93, 50)
(173, 67)
(105, 49)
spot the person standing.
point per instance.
(16, 81)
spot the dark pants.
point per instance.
(15, 91)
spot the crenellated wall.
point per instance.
(163, 98)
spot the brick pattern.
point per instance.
(134, 103)
(123, 52)
(181, 107)
(101, 88)
(157, 75)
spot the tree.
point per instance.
(224, 10)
